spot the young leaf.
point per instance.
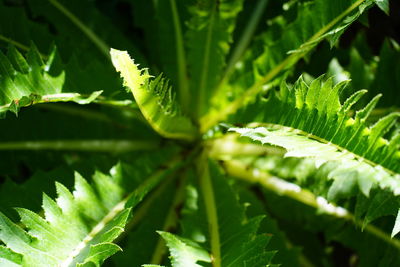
(155, 99)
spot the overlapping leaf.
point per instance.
(24, 81)
(310, 122)
(279, 49)
(77, 228)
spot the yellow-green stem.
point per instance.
(207, 190)
(113, 146)
(239, 170)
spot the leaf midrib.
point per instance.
(181, 60)
(206, 62)
(114, 212)
(326, 142)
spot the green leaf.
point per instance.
(239, 243)
(45, 26)
(396, 228)
(208, 41)
(145, 229)
(348, 170)
(27, 81)
(184, 253)
(155, 99)
(171, 47)
(266, 60)
(382, 204)
(309, 121)
(77, 228)
(9, 258)
(81, 28)
(386, 80)
(334, 149)
(384, 5)
(287, 254)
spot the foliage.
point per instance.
(240, 140)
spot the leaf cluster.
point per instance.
(245, 135)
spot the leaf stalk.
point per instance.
(115, 146)
(281, 187)
(207, 190)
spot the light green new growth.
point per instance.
(154, 98)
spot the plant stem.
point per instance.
(228, 146)
(207, 190)
(184, 96)
(115, 146)
(101, 45)
(281, 187)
